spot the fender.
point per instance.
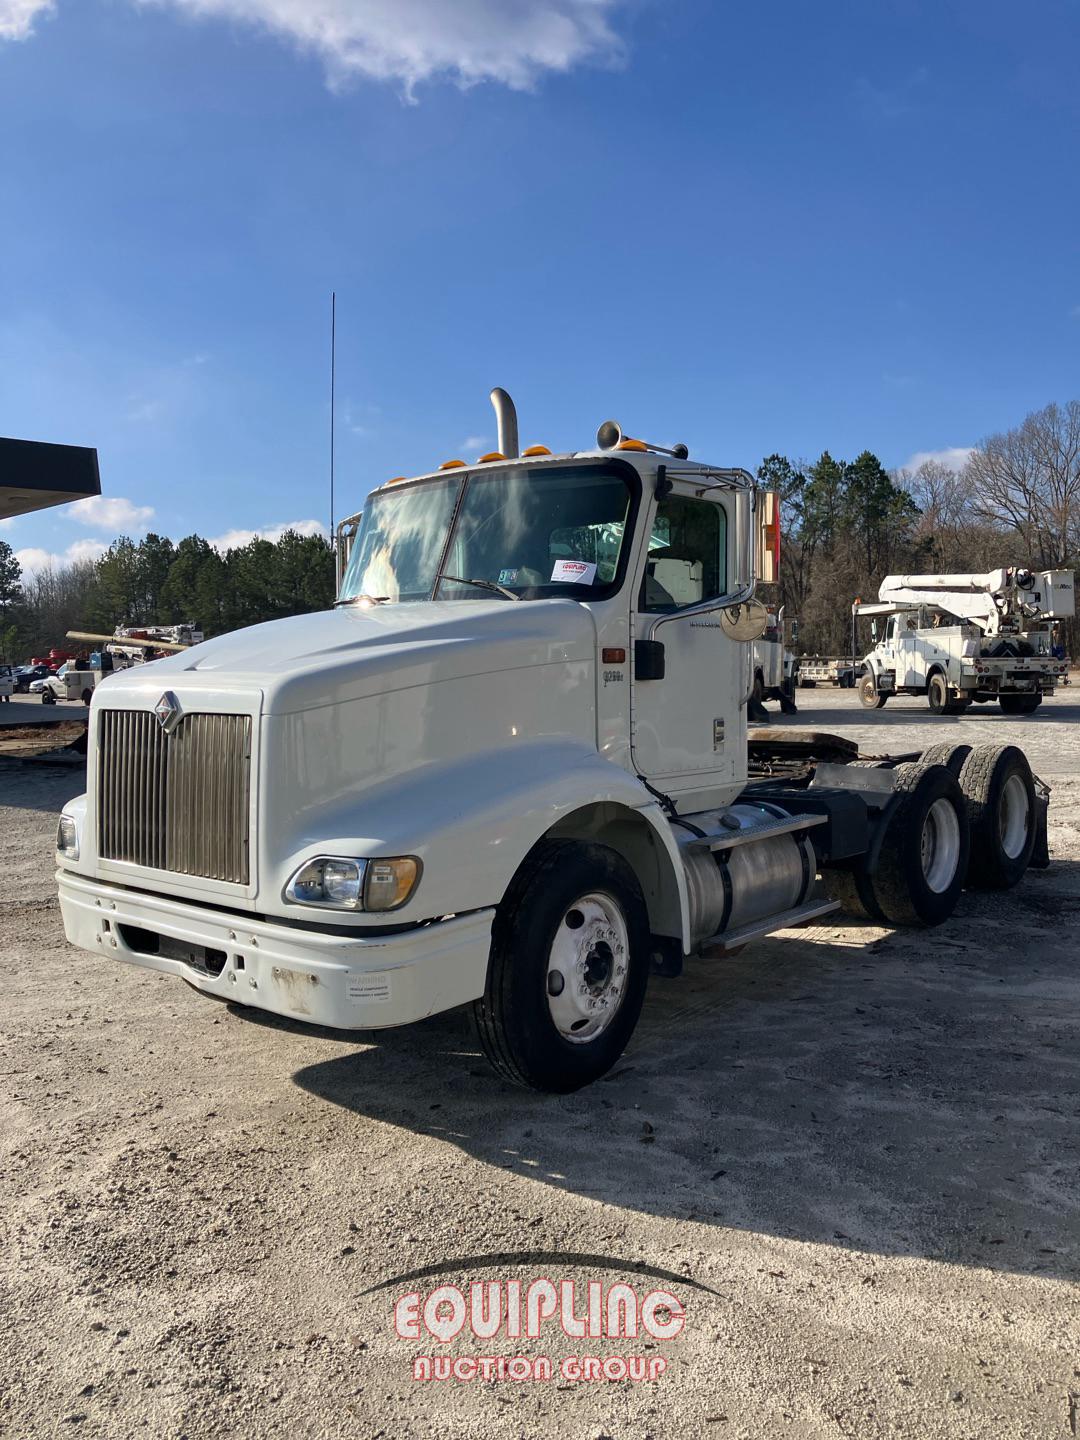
(471, 823)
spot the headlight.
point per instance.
(67, 838)
(340, 884)
(327, 881)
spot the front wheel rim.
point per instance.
(1014, 816)
(587, 968)
(940, 846)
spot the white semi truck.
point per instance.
(508, 770)
(964, 639)
(774, 666)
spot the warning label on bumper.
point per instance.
(370, 989)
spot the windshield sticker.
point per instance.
(578, 572)
(508, 577)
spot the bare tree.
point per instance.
(1029, 480)
(951, 533)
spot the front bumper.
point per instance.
(361, 983)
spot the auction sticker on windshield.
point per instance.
(579, 572)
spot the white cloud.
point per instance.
(480, 443)
(110, 512)
(512, 42)
(953, 457)
(33, 558)
(17, 17)
(233, 539)
(8, 523)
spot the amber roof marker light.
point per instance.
(610, 436)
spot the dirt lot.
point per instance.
(864, 1144)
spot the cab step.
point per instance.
(730, 939)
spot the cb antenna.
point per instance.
(333, 388)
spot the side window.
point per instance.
(687, 554)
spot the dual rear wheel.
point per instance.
(966, 816)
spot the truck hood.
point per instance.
(333, 656)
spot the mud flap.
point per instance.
(1040, 856)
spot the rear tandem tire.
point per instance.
(937, 694)
(923, 860)
(1000, 794)
(532, 943)
(946, 753)
(854, 889)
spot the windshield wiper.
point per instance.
(359, 600)
(480, 585)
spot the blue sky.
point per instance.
(763, 228)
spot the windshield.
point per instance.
(533, 531)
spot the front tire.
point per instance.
(568, 968)
(869, 695)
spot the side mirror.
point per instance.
(744, 622)
(873, 629)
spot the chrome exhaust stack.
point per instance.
(611, 435)
(506, 419)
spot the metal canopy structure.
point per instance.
(35, 475)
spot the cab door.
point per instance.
(910, 660)
(686, 727)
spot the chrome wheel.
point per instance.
(587, 967)
(1014, 816)
(940, 845)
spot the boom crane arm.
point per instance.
(1009, 599)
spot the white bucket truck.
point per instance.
(964, 639)
(509, 770)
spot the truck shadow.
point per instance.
(912, 709)
(911, 1093)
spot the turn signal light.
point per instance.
(389, 883)
(613, 657)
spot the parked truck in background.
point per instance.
(967, 639)
(509, 769)
(826, 670)
(774, 665)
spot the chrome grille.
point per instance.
(178, 801)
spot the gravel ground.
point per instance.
(863, 1143)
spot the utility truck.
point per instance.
(967, 639)
(508, 770)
